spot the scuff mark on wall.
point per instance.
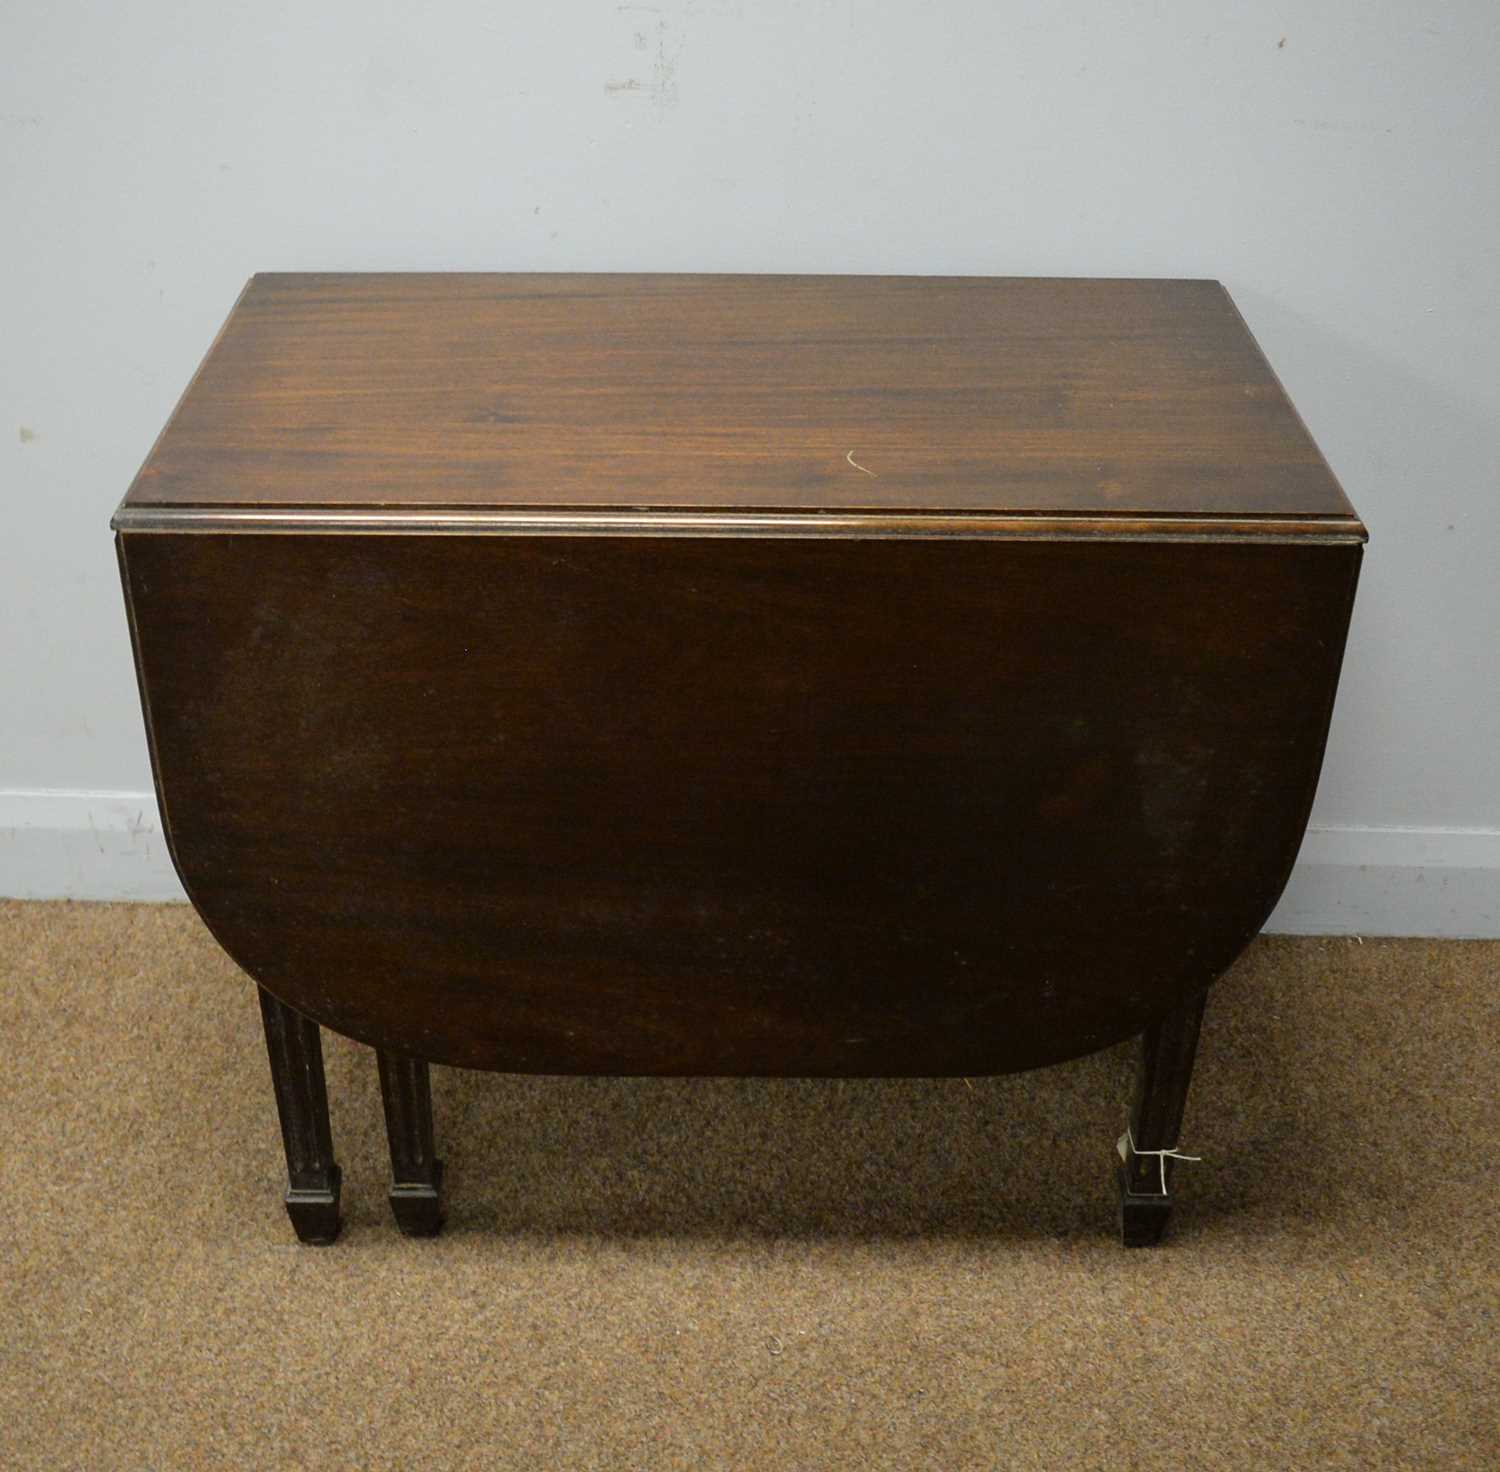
(661, 88)
(663, 71)
(28, 435)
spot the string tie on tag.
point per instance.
(1162, 1155)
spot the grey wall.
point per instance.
(1334, 164)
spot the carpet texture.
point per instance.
(764, 1274)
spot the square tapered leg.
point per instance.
(416, 1172)
(295, 1047)
(1147, 1149)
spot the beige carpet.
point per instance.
(717, 1273)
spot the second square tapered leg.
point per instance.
(1148, 1149)
(416, 1172)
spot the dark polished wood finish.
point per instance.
(1099, 398)
(313, 1179)
(416, 1172)
(695, 806)
(752, 676)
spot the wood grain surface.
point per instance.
(1108, 400)
(736, 806)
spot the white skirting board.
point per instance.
(57, 845)
(1348, 880)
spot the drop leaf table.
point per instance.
(737, 675)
